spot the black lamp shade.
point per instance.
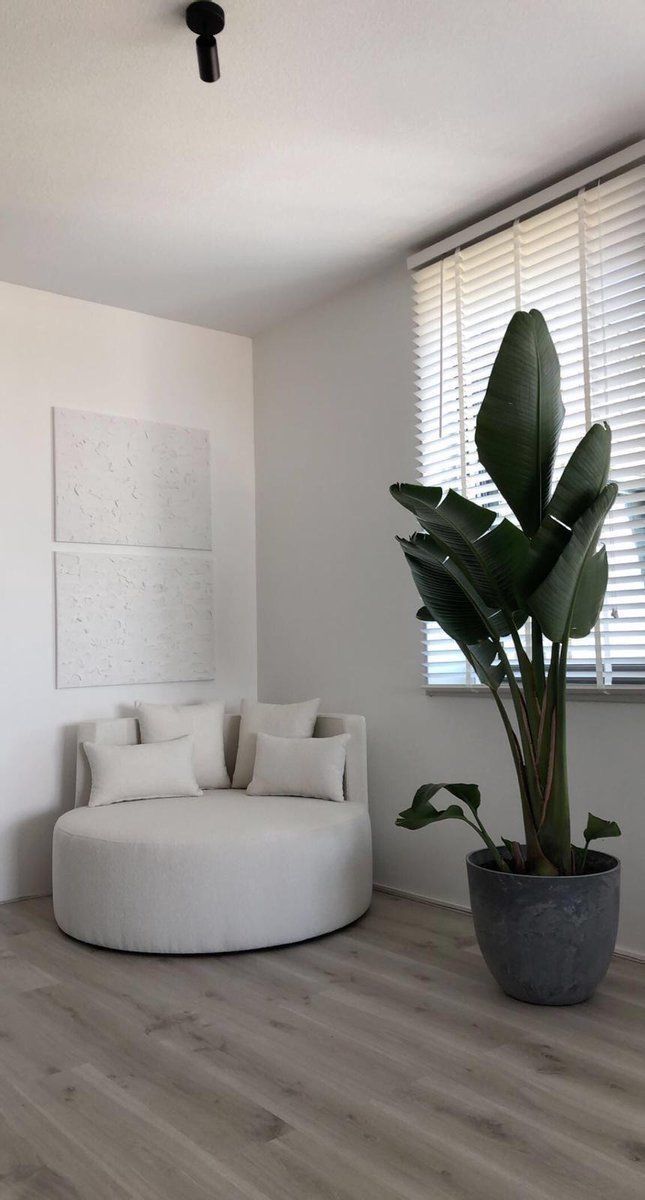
(207, 58)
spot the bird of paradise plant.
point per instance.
(482, 578)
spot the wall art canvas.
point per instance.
(126, 482)
(134, 618)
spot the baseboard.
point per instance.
(391, 891)
(27, 896)
(619, 952)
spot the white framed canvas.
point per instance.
(126, 482)
(135, 618)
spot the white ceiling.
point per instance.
(340, 134)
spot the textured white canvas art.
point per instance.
(133, 618)
(130, 483)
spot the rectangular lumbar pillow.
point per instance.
(205, 722)
(312, 767)
(281, 720)
(141, 772)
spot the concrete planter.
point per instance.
(546, 941)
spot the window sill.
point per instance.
(615, 695)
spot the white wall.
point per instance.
(57, 351)
(334, 427)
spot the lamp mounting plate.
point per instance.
(205, 17)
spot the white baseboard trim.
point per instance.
(619, 952)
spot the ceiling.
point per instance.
(339, 136)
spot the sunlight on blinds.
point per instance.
(582, 263)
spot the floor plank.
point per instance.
(378, 1063)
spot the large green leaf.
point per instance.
(483, 655)
(448, 605)
(491, 552)
(503, 554)
(559, 597)
(422, 812)
(599, 827)
(546, 547)
(520, 418)
(438, 575)
(469, 520)
(590, 594)
(442, 597)
(582, 480)
(584, 476)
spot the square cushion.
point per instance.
(312, 767)
(281, 720)
(204, 722)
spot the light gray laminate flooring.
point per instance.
(378, 1063)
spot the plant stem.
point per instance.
(554, 828)
(520, 754)
(479, 828)
(537, 658)
(516, 753)
(529, 687)
(534, 790)
(520, 770)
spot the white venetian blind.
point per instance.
(581, 261)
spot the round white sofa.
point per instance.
(220, 872)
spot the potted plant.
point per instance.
(545, 911)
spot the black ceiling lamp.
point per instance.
(206, 19)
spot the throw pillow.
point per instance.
(141, 772)
(299, 767)
(205, 722)
(282, 720)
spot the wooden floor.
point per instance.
(379, 1063)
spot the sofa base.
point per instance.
(218, 873)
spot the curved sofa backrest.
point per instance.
(124, 731)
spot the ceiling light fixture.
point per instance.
(206, 19)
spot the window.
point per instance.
(581, 261)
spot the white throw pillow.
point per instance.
(163, 722)
(282, 720)
(299, 767)
(141, 772)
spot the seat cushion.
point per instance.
(223, 871)
(227, 816)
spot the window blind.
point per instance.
(581, 261)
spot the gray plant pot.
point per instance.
(546, 941)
